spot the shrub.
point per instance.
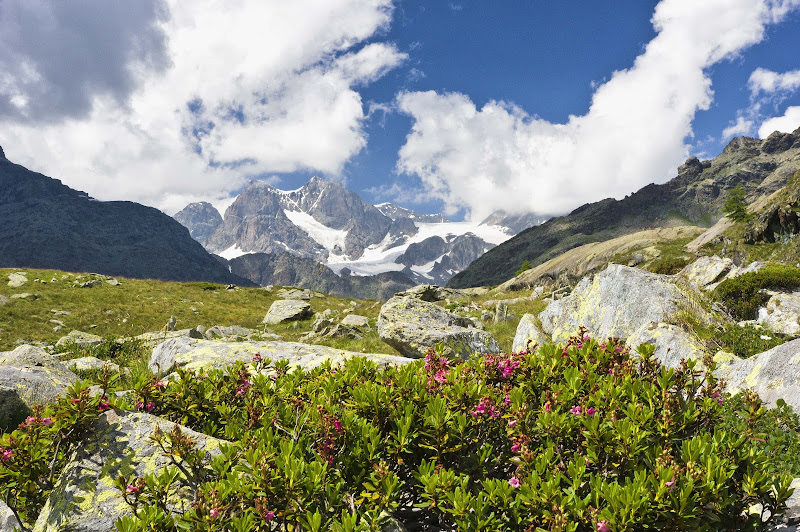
(735, 206)
(582, 437)
(742, 295)
(525, 266)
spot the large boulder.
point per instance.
(8, 521)
(782, 313)
(671, 343)
(17, 279)
(29, 376)
(412, 326)
(706, 270)
(529, 331)
(773, 374)
(79, 338)
(85, 498)
(287, 310)
(207, 354)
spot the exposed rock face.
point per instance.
(44, 224)
(79, 338)
(201, 219)
(782, 313)
(88, 363)
(85, 498)
(772, 374)
(696, 195)
(205, 354)
(29, 376)
(413, 326)
(287, 310)
(8, 522)
(671, 343)
(706, 270)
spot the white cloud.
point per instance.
(246, 87)
(743, 126)
(786, 123)
(763, 80)
(500, 156)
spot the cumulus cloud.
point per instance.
(500, 156)
(786, 123)
(234, 89)
(742, 126)
(767, 81)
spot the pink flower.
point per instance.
(338, 426)
(514, 447)
(103, 406)
(150, 406)
(514, 482)
(670, 485)
(132, 489)
(47, 422)
(576, 410)
(74, 400)
(30, 420)
(139, 405)
(547, 406)
(590, 412)
(512, 422)
(507, 400)
(269, 516)
(213, 513)
(8, 454)
(618, 349)
(602, 526)
(257, 358)
(161, 384)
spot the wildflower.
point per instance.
(30, 420)
(257, 358)
(150, 406)
(8, 454)
(603, 346)
(479, 409)
(161, 384)
(74, 400)
(513, 482)
(512, 422)
(507, 400)
(717, 396)
(441, 376)
(590, 411)
(139, 405)
(670, 484)
(576, 410)
(47, 422)
(618, 349)
(610, 371)
(132, 489)
(547, 407)
(338, 426)
(213, 513)
(602, 526)
(515, 447)
(103, 406)
(269, 516)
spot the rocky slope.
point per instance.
(201, 218)
(45, 224)
(694, 197)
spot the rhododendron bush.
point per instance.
(584, 437)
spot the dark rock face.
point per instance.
(287, 269)
(452, 255)
(201, 219)
(695, 196)
(420, 253)
(45, 224)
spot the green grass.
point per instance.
(742, 295)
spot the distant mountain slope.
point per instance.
(201, 218)
(694, 197)
(45, 224)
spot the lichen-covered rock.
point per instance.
(296, 293)
(782, 313)
(614, 302)
(706, 270)
(15, 280)
(29, 376)
(287, 310)
(227, 331)
(412, 326)
(4, 300)
(206, 354)
(671, 343)
(154, 338)
(773, 374)
(528, 333)
(79, 338)
(85, 498)
(90, 363)
(8, 521)
(354, 320)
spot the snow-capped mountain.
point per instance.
(324, 221)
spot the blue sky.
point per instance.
(461, 107)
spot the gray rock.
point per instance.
(782, 313)
(773, 374)
(432, 293)
(412, 326)
(153, 338)
(528, 333)
(706, 270)
(4, 300)
(85, 498)
(90, 363)
(354, 320)
(287, 310)
(201, 219)
(486, 315)
(8, 521)
(500, 312)
(29, 376)
(79, 338)
(90, 284)
(24, 295)
(671, 342)
(113, 282)
(295, 293)
(15, 280)
(227, 331)
(205, 354)
(170, 326)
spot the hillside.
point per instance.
(45, 224)
(694, 197)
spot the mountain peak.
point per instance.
(2, 155)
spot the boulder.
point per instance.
(226, 331)
(79, 338)
(8, 521)
(113, 282)
(85, 498)
(24, 295)
(671, 342)
(773, 374)
(15, 280)
(431, 293)
(706, 270)
(412, 326)
(4, 300)
(354, 320)
(89, 363)
(296, 293)
(287, 310)
(782, 313)
(154, 338)
(528, 332)
(206, 354)
(29, 376)
(500, 312)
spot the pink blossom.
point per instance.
(618, 349)
(161, 384)
(257, 358)
(139, 405)
(8, 454)
(590, 411)
(269, 516)
(514, 482)
(132, 489)
(150, 406)
(103, 406)
(512, 422)
(47, 422)
(515, 447)
(602, 526)
(338, 426)
(213, 513)
(507, 400)
(576, 410)
(547, 406)
(670, 484)
(30, 420)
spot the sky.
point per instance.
(462, 107)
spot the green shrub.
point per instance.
(735, 206)
(742, 295)
(669, 265)
(582, 437)
(749, 340)
(525, 266)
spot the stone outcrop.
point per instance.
(706, 270)
(85, 498)
(79, 339)
(8, 521)
(17, 279)
(90, 363)
(29, 376)
(782, 313)
(412, 326)
(205, 354)
(287, 310)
